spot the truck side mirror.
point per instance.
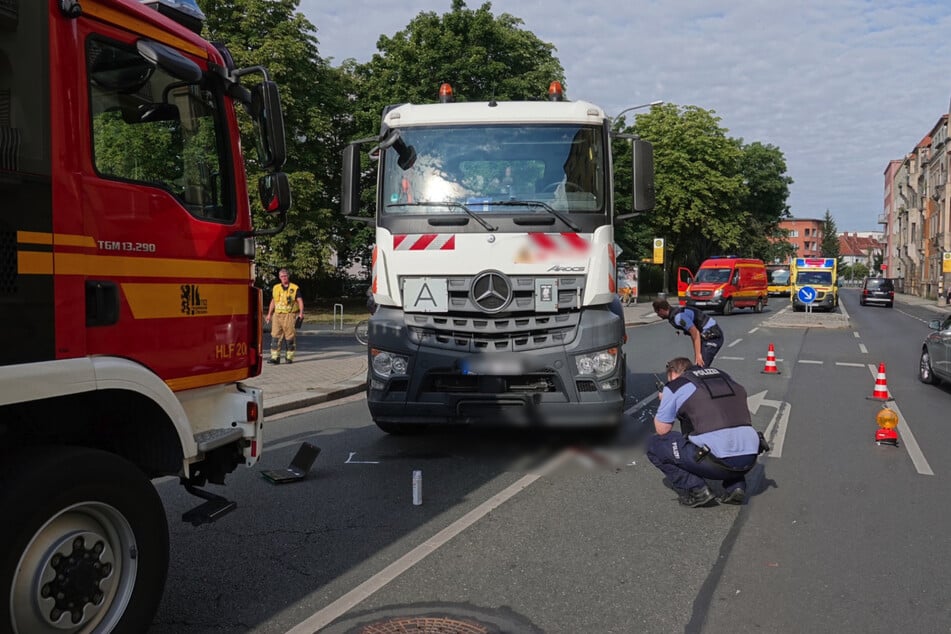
(642, 170)
(269, 120)
(350, 180)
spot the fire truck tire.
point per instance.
(85, 543)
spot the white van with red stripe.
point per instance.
(494, 264)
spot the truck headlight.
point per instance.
(387, 364)
(597, 363)
(717, 294)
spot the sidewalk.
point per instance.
(318, 377)
(939, 308)
(314, 377)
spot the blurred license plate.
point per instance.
(495, 364)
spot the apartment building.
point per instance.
(917, 210)
(805, 234)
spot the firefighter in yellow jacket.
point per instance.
(286, 307)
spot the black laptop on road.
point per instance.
(300, 465)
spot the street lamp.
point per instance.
(643, 105)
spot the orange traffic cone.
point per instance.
(880, 393)
(770, 367)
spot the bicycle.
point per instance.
(360, 331)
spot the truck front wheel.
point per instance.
(85, 543)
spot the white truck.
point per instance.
(494, 267)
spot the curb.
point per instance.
(298, 402)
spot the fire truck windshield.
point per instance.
(492, 168)
(150, 127)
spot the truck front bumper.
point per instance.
(530, 387)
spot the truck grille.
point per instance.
(468, 328)
(500, 334)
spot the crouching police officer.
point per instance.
(718, 440)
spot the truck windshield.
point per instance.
(779, 276)
(814, 277)
(149, 127)
(491, 169)
(713, 276)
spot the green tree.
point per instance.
(481, 55)
(857, 271)
(767, 189)
(698, 181)
(829, 247)
(315, 99)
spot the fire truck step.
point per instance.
(214, 508)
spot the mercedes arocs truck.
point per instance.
(494, 264)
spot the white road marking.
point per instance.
(750, 332)
(776, 430)
(810, 361)
(863, 349)
(734, 343)
(908, 440)
(345, 603)
(350, 460)
(719, 358)
(850, 365)
(855, 333)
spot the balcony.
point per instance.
(883, 219)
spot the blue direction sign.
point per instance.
(806, 294)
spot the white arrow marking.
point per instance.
(776, 430)
(350, 460)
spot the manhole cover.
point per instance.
(422, 625)
(434, 619)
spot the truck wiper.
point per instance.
(537, 203)
(451, 205)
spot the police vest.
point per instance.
(719, 402)
(285, 299)
(700, 318)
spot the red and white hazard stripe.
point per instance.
(373, 270)
(612, 274)
(424, 242)
(559, 241)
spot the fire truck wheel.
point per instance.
(728, 307)
(87, 549)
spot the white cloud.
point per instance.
(840, 87)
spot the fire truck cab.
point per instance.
(127, 298)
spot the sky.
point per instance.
(841, 87)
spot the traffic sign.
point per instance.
(806, 294)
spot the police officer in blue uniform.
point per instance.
(718, 440)
(706, 335)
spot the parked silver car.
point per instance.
(935, 364)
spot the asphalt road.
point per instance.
(553, 533)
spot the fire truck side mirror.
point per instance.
(350, 180)
(266, 109)
(642, 194)
(275, 192)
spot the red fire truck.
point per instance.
(129, 315)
